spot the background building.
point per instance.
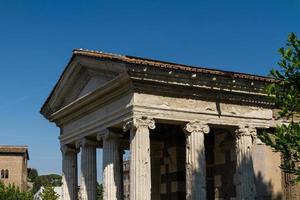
(13, 165)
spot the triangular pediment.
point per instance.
(87, 82)
(90, 72)
(82, 77)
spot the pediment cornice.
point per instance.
(208, 87)
(118, 86)
(75, 77)
(150, 77)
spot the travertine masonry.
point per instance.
(140, 163)
(88, 170)
(245, 186)
(99, 91)
(195, 160)
(69, 173)
(111, 167)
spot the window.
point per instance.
(4, 174)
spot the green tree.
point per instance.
(48, 193)
(32, 174)
(99, 191)
(12, 192)
(43, 180)
(285, 91)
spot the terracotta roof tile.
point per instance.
(168, 65)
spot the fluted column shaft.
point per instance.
(195, 160)
(111, 167)
(69, 173)
(140, 164)
(245, 185)
(88, 171)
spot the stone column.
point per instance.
(121, 187)
(245, 177)
(69, 173)
(140, 165)
(112, 180)
(195, 160)
(88, 170)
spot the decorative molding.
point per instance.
(224, 89)
(108, 135)
(181, 115)
(65, 149)
(84, 142)
(112, 88)
(102, 134)
(196, 126)
(97, 126)
(139, 122)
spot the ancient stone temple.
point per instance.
(191, 132)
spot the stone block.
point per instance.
(218, 181)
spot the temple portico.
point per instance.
(191, 132)
(137, 138)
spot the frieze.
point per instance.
(209, 80)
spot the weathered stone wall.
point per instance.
(111, 112)
(173, 165)
(17, 170)
(220, 164)
(267, 173)
(291, 191)
(156, 157)
(187, 109)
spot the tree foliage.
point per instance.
(285, 91)
(11, 192)
(44, 180)
(32, 174)
(99, 191)
(48, 193)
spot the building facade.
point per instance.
(13, 165)
(191, 131)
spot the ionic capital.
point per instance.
(101, 134)
(65, 149)
(112, 136)
(86, 143)
(246, 131)
(108, 135)
(139, 123)
(196, 126)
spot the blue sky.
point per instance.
(37, 38)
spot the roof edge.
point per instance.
(170, 65)
(152, 63)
